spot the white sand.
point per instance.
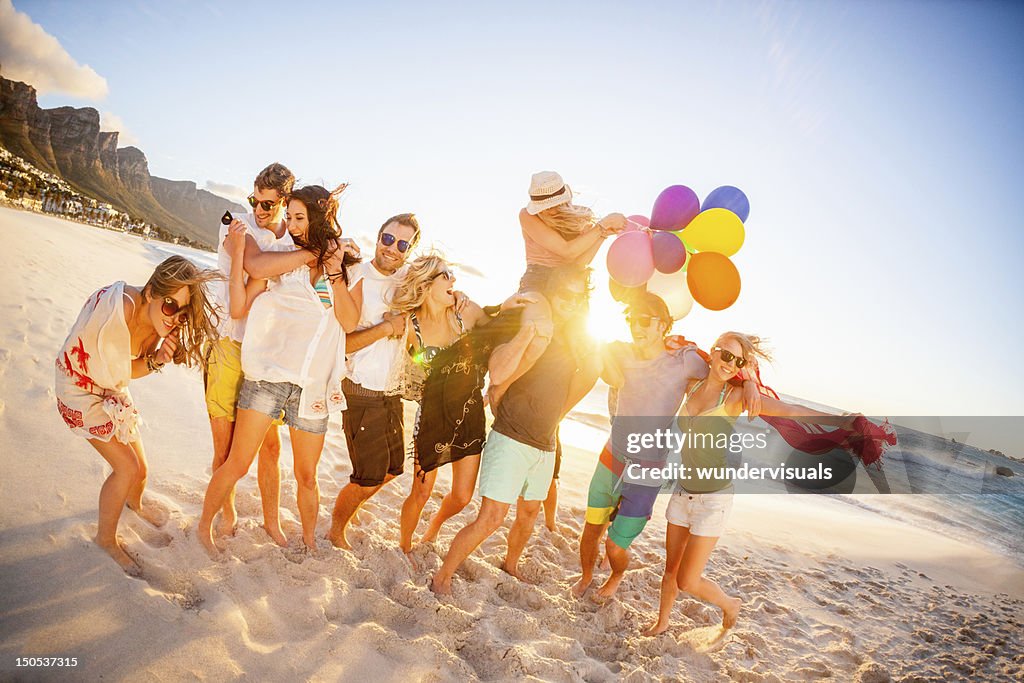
(829, 591)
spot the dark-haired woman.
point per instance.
(293, 355)
(125, 332)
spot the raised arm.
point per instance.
(506, 358)
(799, 413)
(346, 306)
(268, 264)
(570, 250)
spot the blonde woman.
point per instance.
(444, 374)
(125, 332)
(699, 509)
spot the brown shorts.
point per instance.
(374, 435)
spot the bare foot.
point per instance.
(309, 542)
(513, 570)
(123, 559)
(227, 525)
(153, 513)
(338, 540)
(276, 535)
(581, 586)
(656, 629)
(441, 587)
(206, 539)
(611, 585)
(729, 615)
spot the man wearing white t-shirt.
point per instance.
(373, 420)
(266, 233)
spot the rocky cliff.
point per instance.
(67, 141)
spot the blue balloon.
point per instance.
(728, 197)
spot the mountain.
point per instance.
(67, 141)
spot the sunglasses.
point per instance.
(264, 204)
(642, 320)
(387, 239)
(729, 356)
(171, 307)
(576, 299)
(446, 274)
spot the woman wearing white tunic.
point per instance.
(293, 354)
(117, 338)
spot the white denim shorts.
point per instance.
(705, 513)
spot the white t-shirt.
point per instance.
(293, 338)
(267, 241)
(379, 366)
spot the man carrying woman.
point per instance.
(293, 358)
(518, 460)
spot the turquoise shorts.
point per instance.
(510, 469)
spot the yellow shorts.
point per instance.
(224, 379)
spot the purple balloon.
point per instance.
(669, 252)
(728, 197)
(674, 208)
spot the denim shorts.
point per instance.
(270, 398)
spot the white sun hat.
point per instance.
(547, 189)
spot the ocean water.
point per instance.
(941, 485)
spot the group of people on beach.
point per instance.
(294, 326)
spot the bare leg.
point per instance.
(113, 496)
(492, 514)
(690, 578)
(268, 476)
(222, 429)
(307, 448)
(151, 512)
(590, 541)
(619, 560)
(676, 538)
(349, 500)
(413, 506)
(519, 534)
(250, 427)
(551, 505)
(464, 473)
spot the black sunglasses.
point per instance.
(171, 307)
(387, 239)
(264, 204)
(573, 297)
(729, 356)
(642, 320)
(446, 274)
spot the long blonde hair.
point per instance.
(202, 315)
(568, 219)
(754, 347)
(411, 292)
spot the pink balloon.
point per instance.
(674, 208)
(669, 252)
(631, 259)
(636, 222)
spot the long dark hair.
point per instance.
(324, 233)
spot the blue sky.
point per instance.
(880, 145)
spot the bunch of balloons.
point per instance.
(681, 253)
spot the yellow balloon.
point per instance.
(717, 230)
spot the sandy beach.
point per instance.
(829, 591)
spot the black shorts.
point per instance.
(374, 436)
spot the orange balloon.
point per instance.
(713, 280)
